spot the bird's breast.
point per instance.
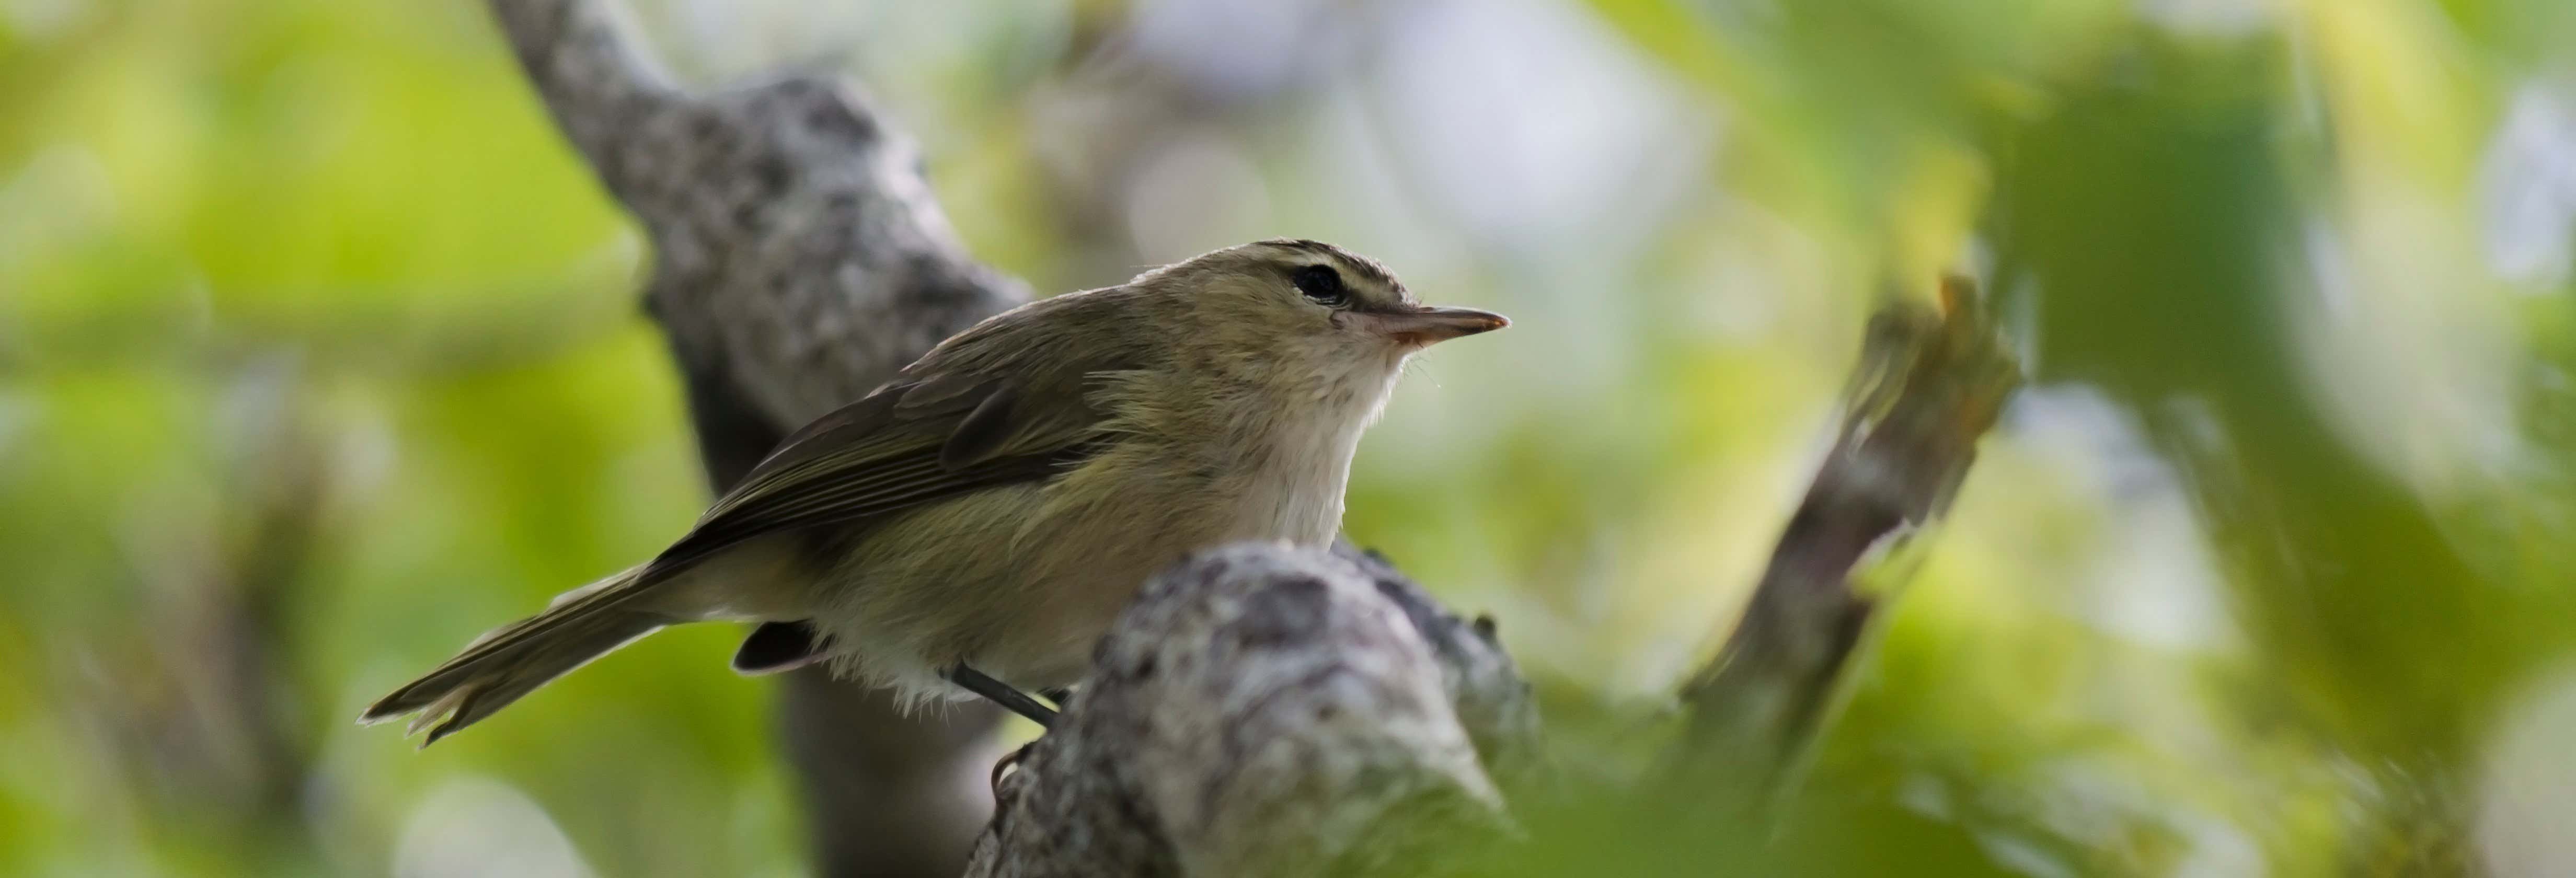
(1290, 496)
(1269, 463)
(1290, 481)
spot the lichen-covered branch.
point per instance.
(1929, 383)
(796, 246)
(584, 59)
(799, 259)
(1263, 711)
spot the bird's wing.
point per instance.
(995, 405)
(909, 443)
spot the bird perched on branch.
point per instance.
(973, 525)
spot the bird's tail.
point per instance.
(514, 659)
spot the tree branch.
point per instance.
(1928, 385)
(799, 260)
(1260, 711)
(583, 59)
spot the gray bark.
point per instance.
(1262, 711)
(798, 261)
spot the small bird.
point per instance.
(972, 526)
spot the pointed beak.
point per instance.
(1422, 327)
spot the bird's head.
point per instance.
(1300, 308)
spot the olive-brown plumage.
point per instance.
(994, 506)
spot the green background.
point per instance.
(320, 353)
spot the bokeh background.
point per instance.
(320, 352)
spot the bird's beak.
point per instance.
(1426, 326)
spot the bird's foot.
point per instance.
(1007, 762)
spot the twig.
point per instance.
(1928, 385)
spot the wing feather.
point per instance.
(1010, 400)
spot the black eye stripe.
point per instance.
(1322, 284)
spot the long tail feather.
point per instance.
(515, 659)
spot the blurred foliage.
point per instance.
(318, 354)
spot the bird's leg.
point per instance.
(1001, 693)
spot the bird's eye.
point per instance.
(1322, 284)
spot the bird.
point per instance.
(972, 526)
